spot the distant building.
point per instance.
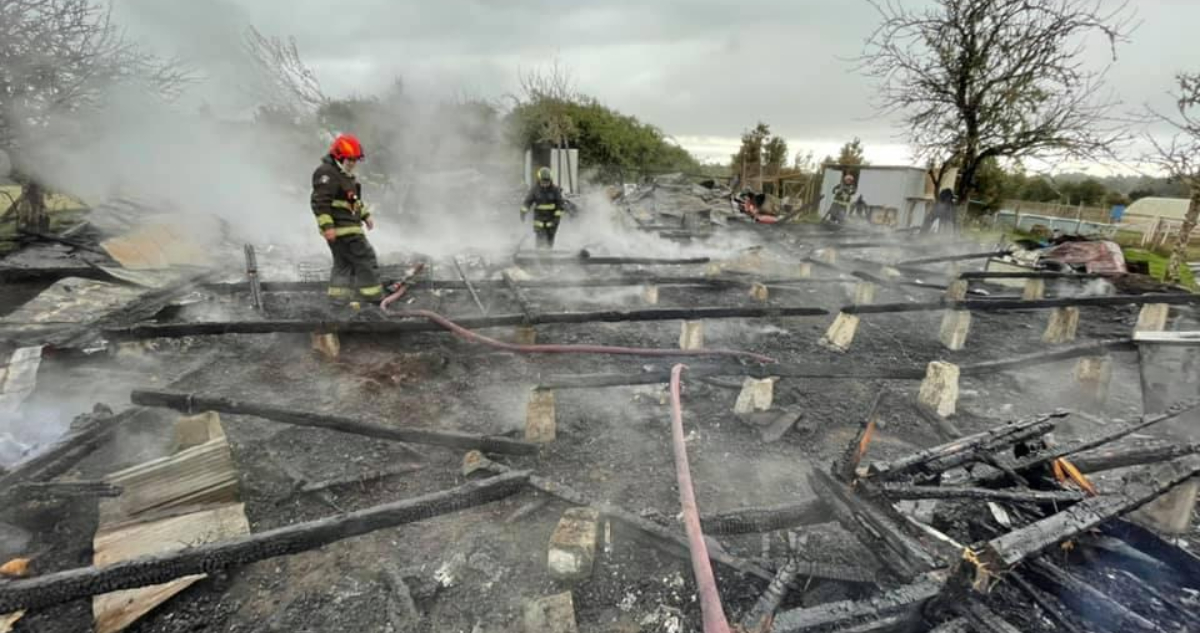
(1164, 208)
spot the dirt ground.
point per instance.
(471, 571)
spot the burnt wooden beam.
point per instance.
(462, 274)
(1037, 274)
(402, 325)
(1089, 602)
(1012, 548)
(56, 490)
(57, 588)
(957, 625)
(667, 540)
(87, 433)
(983, 619)
(903, 605)
(1102, 459)
(1047, 603)
(846, 469)
(1104, 437)
(904, 555)
(529, 284)
(1093, 348)
(252, 279)
(962, 257)
(906, 491)
(963, 450)
(1185, 563)
(359, 479)
(767, 519)
(193, 403)
(1000, 305)
(581, 260)
(17, 274)
(519, 296)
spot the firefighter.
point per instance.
(341, 215)
(546, 201)
(944, 213)
(843, 197)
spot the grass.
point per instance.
(1158, 265)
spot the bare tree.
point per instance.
(976, 79)
(287, 82)
(60, 57)
(1179, 157)
(553, 87)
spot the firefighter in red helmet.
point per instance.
(341, 216)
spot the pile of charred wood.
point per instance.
(1019, 538)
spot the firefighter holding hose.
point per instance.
(546, 201)
(341, 217)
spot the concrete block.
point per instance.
(957, 290)
(956, 325)
(1153, 318)
(1062, 326)
(553, 614)
(939, 390)
(759, 292)
(804, 270)
(1172, 512)
(650, 295)
(1034, 289)
(756, 395)
(518, 274)
(539, 417)
(691, 335)
(329, 346)
(572, 549)
(890, 272)
(197, 429)
(864, 293)
(841, 333)
(1094, 373)
(828, 256)
(525, 335)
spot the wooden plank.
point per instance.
(907, 600)
(64, 586)
(117, 610)
(201, 474)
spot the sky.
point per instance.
(701, 70)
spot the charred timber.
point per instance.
(17, 274)
(462, 274)
(1048, 604)
(1182, 561)
(1100, 439)
(592, 381)
(1016, 546)
(1093, 348)
(904, 555)
(1100, 460)
(519, 296)
(608, 261)
(769, 519)
(905, 491)
(88, 433)
(36, 491)
(398, 326)
(951, 258)
(984, 275)
(983, 619)
(962, 450)
(252, 279)
(192, 403)
(533, 284)
(1089, 602)
(904, 604)
(57, 588)
(1039, 304)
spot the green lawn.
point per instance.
(63, 211)
(1158, 265)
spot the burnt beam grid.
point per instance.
(399, 326)
(725, 282)
(1003, 305)
(581, 260)
(194, 403)
(976, 275)
(60, 587)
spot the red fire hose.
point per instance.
(464, 333)
(711, 610)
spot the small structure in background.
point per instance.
(563, 164)
(894, 195)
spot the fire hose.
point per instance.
(476, 337)
(711, 611)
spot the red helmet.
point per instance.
(346, 147)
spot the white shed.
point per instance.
(903, 188)
(1165, 208)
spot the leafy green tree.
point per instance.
(852, 153)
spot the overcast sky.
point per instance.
(702, 70)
